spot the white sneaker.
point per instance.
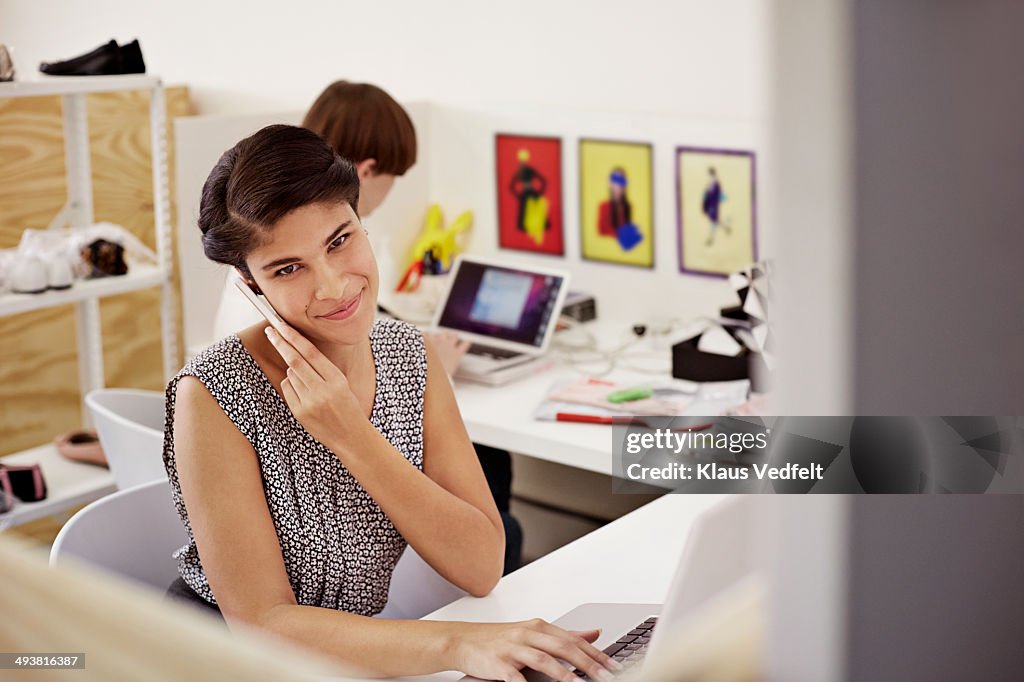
(28, 276)
(58, 273)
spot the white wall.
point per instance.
(462, 158)
(682, 57)
(624, 65)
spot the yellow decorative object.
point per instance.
(535, 218)
(443, 241)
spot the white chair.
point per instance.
(417, 589)
(130, 423)
(131, 533)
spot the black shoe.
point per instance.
(131, 58)
(105, 60)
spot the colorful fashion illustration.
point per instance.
(529, 190)
(716, 213)
(615, 215)
(711, 205)
(616, 205)
(528, 186)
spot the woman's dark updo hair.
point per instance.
(262, 179)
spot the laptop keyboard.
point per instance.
(630, 648)
(492, 352)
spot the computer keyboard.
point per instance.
(491, 351)
(630, 648)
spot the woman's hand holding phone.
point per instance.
(316, 391)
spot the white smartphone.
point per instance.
(260, 302)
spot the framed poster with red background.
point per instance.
(529, 189)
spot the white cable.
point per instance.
(591, 355)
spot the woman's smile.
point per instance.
(344, 309)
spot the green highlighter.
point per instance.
(628, 395)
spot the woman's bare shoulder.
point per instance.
(254, 340)
(196, 408)
(253, 336)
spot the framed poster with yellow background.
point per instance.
(716, 210)
(617, 202)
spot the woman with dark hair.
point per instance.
(303, 460)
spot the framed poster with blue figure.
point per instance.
(716, 210)
(617, 202)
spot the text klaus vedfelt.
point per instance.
(665, 439)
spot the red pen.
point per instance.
(592, 418)
(624, 420)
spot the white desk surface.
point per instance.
(629, 560)
(503, 416)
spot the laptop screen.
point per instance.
(501, 302)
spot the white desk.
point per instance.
(631, 559)
(503, 416)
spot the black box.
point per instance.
(695, 365)
(580, 307)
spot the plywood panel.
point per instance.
(39, 394)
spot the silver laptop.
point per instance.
(716, 557)
(507, 311)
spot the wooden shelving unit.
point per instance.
(70, 483)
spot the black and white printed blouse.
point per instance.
(339, 548)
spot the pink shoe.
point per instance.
(81, 446)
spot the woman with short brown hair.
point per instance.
(368, 127)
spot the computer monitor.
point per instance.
(504, 305)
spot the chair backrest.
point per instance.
(417, 589)
(130, 423)
(131, 533)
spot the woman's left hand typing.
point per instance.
(316, 391)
